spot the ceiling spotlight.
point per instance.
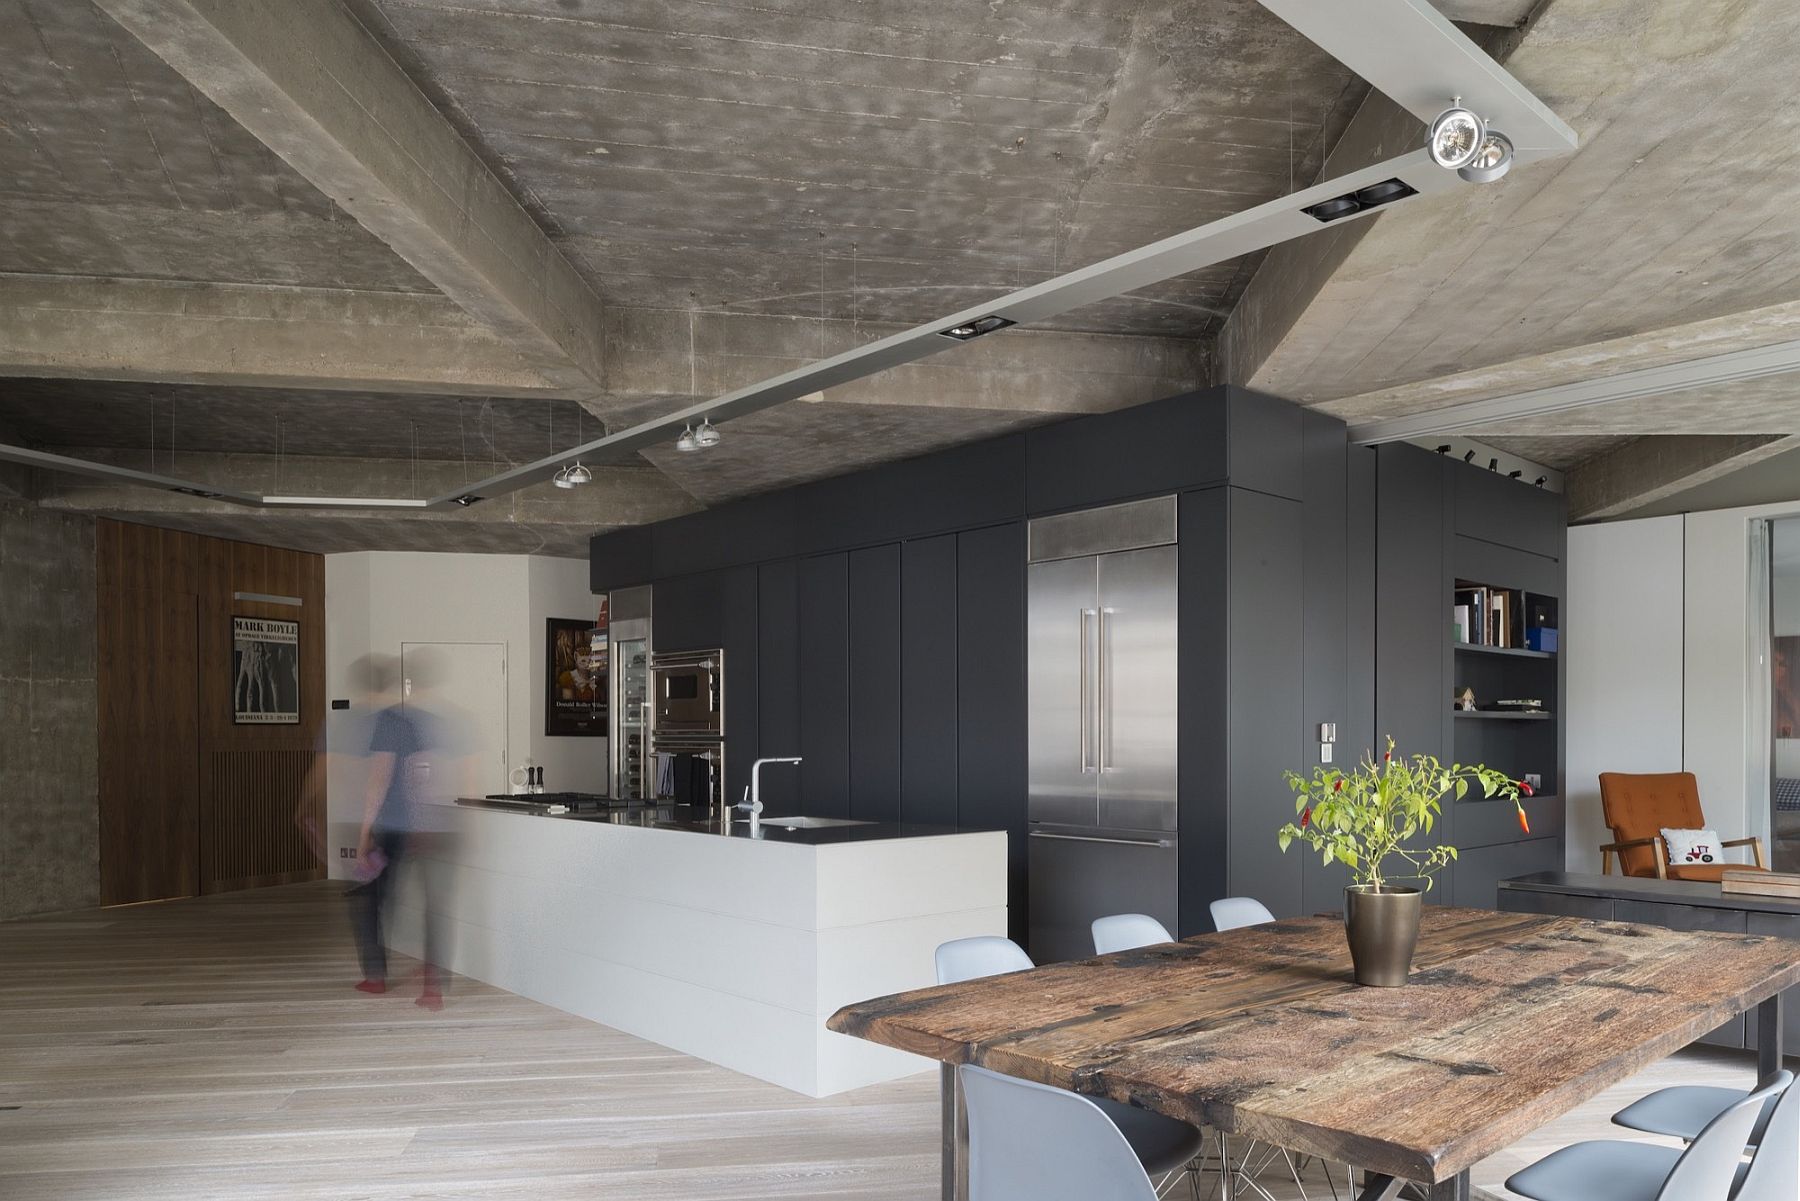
(1494, 159)
(578, 474)
(561, 479)
(1456, 136)
(1444, 449)
(1493, 464)
(976, 328)
(1469, 457)
(708, 434)
(688, 440)
(1540, 480)
(1331, 210)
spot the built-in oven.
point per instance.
(687, 692)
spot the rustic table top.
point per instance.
(1510, 1020)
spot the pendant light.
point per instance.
(689, 441)
(708, 434)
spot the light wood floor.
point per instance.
(214, 1048)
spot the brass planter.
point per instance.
(1383, 929)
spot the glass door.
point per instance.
(631, 746)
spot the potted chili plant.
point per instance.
(1367, 819)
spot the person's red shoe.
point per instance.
(372, 987)
(430, 999)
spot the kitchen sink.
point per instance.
(812, 823)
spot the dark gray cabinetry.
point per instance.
(778, 679)
(990, 695)
(824, 669)
(928, 675)
(874, 709)
(875, 624)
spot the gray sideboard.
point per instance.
(1678, 905)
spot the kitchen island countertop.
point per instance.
(688, 819)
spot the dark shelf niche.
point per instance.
(1502, 715)
(1509, 652)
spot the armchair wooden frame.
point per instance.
(1608, 850)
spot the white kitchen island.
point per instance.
(731, 949)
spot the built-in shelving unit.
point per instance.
(1446, 529)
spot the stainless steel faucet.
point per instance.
(754, 805)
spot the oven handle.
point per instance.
(1123, 842)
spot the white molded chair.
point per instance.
(972, 958)
(1031, 1142)
(1127, 932)
(1232, 913)
(1609, 1170)
(1684, 1110)
(1162, 1145)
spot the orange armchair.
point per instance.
(1639, 807)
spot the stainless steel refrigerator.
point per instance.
(1102, 637)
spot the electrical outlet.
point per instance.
(1324, 752)
(346, 852)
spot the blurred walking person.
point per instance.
(401, 741)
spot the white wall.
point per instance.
(375, 601)
(1661, 666)
(1624, 619)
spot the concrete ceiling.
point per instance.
(893, 161)
(343, 229)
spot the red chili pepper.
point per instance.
(1525, 788)
(1523, 823)
(1387, 756)
(1306, 818)
(1338, 787)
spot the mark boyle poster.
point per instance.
(265, 668)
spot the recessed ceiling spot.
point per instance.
(976, 328)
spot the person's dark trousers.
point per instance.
(369, 901)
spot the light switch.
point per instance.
(1324, 752)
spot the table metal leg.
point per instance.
(1768, 1038)
(955, 1185)
(1454, 1189)
(1379, 1188)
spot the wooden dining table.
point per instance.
(1508, 1021)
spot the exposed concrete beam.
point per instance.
(1663, 347)
(306, 79)
(1292, 274)
(71, 327)
(1649, 469)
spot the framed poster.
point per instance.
(1787, 686)
(265, 671)
(574, 678)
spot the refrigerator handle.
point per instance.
(1083, 703)
(1103, 699)
(1122, 842)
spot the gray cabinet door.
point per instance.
(1062, 623)
(1135, 734)
(1075, 879)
